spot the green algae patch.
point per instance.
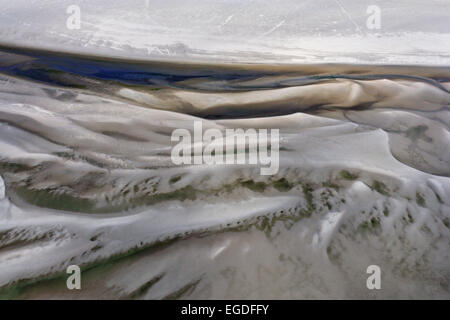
(254, 186)
(174, 179)
(418, 132)
(331, 185)
(380, 187)
(420, 199)
(371, 225)
(282, 185)
(348, 175)
(446, 222)
(310, 206)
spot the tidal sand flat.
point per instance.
(87, 178)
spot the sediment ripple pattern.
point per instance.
(87, 179)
